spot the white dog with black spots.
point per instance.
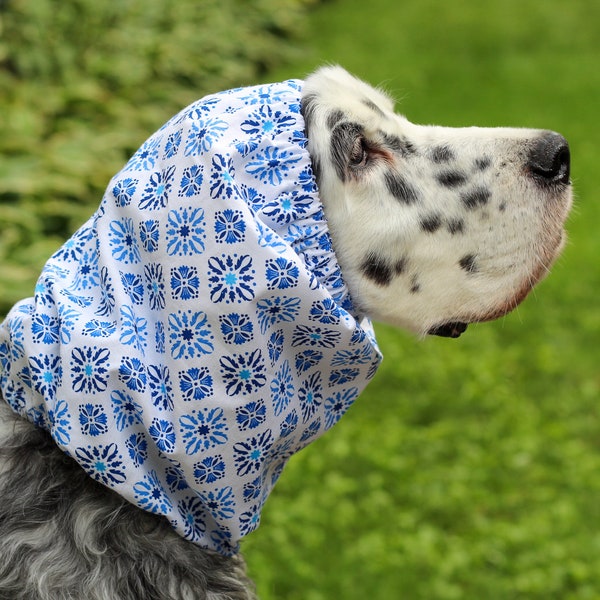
(213, 317)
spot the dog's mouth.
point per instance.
(450, 330)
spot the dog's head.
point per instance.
(434, 227)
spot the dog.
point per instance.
(213, 317)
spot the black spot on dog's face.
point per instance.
(377, 269)
(415, 286)
(469, 263)
(456, 226)
(400, 189)
(400, 266)
(398, 145)
(451, 179)
(441, 154)
(370, 104)
(431, 223)
(342, 139)
(483, 163)
(476, 197)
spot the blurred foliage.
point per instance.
(83, 83)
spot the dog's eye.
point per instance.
(359, 154)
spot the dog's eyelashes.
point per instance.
(359, 154)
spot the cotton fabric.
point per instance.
(196, 332)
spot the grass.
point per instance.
(469, 468)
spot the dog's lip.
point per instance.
(451, 329)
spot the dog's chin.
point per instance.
(454, 327)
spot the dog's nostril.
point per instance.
(550, 159)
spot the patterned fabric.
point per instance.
(196, 331)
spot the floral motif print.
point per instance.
(338, 404)
(231, 278)
(124, 190)
(150, 235)
(145, 158)
(163, 434)
(325, 311)
(210, 469)
(251, 454)
(133, 286)
(196, 383)
(251, 415)
(222, 177)
(45, 329)
(282, 388)
(220, 503)
(59, 420)
(315, 336)
(203, 430)
(243, 373)
(159, 381)
(230, 227)
(123, 241)
(310, 395)
(191, 181)
(46, 373)
(151, 495)
(236, 328)
(190, 334)
(157, 190)
(92, 419)
(185, 283)
(266, 121)
(192, 513)
(275, 345)
(134, 329)
(185, 232)
(155, 286)
(172, 144)
(89, 369)
(126, 410)
(132, 373)
(281, 274)
(107, 298)
(275, 310)
(203, 134)
(137, 446)
(87, 270)
(307, 359)
(103, 463)
(272, 165)
(288, 207)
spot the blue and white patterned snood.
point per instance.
(196, 331)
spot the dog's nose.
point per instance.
(550, 159)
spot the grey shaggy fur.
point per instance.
(63, 536)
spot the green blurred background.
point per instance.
(470, 468)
